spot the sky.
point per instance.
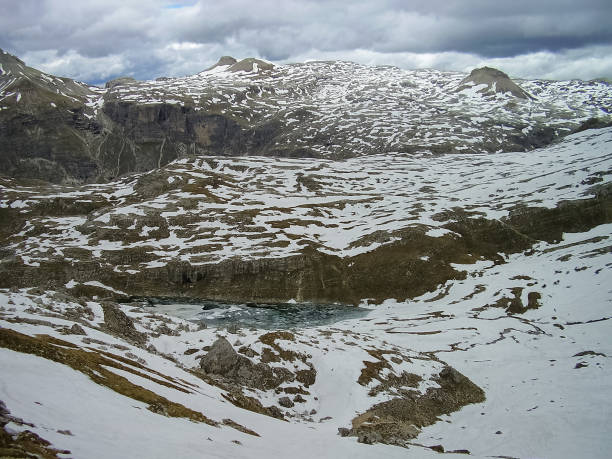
(95, 41)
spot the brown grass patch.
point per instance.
(371, 371)
(269, 339)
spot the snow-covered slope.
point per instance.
(507, 257)
(545, 371)
(18, 81)
(203, 212)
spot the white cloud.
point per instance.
(585, 63)
(78, 67)
(185, 58)
(94, 40)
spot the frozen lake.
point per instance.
(261, 316)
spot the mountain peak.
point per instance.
(8, 59)
(227, 60)
(490, 72)
(224, 61)
(251, 64)
(496, 82)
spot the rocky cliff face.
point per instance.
(47, 131)
(152, 135)
(62, 131)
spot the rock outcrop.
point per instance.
(222, 360)
(224, 61)
(399, 420)
(121, 81)
(251, 64)
(496, 82)
(118, 323)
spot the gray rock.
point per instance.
(223, 360)
(119, 324)
(369, 437)
(121, 81)
(275, 412)
(285, 402)
(450, 374)
(247, 351)
(76, 329)
(164, 329)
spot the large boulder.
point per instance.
(222, 360)
(119, 324)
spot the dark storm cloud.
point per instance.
(98, 39)
(489, 28)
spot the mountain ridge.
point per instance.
(63, 131)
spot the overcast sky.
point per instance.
(95, 41)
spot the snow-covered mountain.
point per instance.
(66, 132)
(138, 315)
